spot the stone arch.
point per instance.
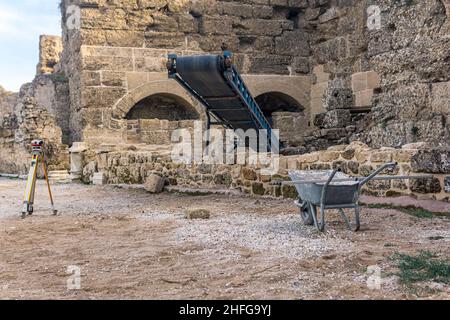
(274, 101)
(150, 113)
(163, 106)
(154, 88)
(296, 87)
(289, 97)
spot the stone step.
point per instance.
(59, 176)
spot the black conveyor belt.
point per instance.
(220, 89)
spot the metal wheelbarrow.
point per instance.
(322, 190)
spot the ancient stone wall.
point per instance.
(356, 159)
(50, 49)
(123, 46)
(383, 85)
(30, 115)
(394, 58)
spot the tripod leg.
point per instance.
(55, 212)
(30, 188)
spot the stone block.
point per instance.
(289, 192)
(96, 63)
(301, 65)
(353, 167)
(381, 156)
(99, 179)
(329, 156)
(447, 184)
(320, 75)
(359, 81)
(113, 78)
(338, 118)
(270, 64)
(101, 97)
(258, 189)
(150, 64)
(193, 214)
(260, 27)
(364, 98)
(249, 174)
(435, 160)
(220, 26)
(154, 184)
(136, 79)
(238, 10)
(373, 80)
(403, 155)
(427, 185)
(294, 43)
(309, 158)
(318, 90)
(440, 101)
(262, 12)
(338, 98)
(124, 38)
(320, 166)
(91, 78)
(348, 154)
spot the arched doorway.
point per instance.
(273, 102)
(153, 119)
(163, 106)
(286, 114)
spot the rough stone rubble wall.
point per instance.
(39, 111)
(50, 48)
(29, 119)
(356, 159)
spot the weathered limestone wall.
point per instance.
(50, 49)
(386, 86)
(399, 71)
(122, 48)
(52, 93)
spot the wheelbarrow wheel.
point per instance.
(307, 215)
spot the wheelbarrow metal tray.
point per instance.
(337, 194)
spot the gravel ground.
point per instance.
(130, 244)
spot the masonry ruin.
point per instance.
(340, 91)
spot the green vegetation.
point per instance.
(411, 210)
(415, 131)
(427, 266)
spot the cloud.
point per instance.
(27, 21)
(21, 24)
(9, 20)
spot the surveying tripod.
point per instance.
(37, 153)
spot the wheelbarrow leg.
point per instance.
(357, 220)
(319, 222)
(347, 221)
(313, 211)
(321, 226)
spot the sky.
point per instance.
(21, 24)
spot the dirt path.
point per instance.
(129, 244)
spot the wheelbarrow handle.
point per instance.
(325, 187)
(376, 172)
